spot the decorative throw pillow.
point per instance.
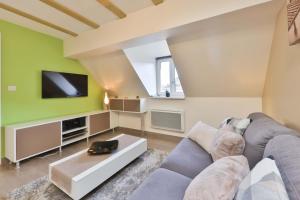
(203, 135)
(236, 125)
(219, 181)
(227, 143)
(264, 182)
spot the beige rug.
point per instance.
(118, 187)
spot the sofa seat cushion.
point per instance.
(162, 184)
(188, 159)
(285, 150)
(258, 134)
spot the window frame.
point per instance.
(172, 91)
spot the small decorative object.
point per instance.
(137, 97)
(106, 101)
(103, 147)
(293, 8)
(167, 93)
(116, 97)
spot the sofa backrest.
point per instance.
(260, 131)
(285, 150)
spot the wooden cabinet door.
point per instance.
(99, 122)
(132, 105)
(116, 104)
(37, 139)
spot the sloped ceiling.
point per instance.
(115, 74)
(228, 55)
(224, 56)
(90, 9)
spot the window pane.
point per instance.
(164, 76)
(178, 87)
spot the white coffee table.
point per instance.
(80, 173)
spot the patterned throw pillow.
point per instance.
(236, 125)
(264, 182)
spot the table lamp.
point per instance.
(106, 101)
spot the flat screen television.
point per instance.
(63, 85)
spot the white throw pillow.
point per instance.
(264, 182)
(237, 125)
(203, 135)
(219, 181)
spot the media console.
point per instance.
(29, 139)
(25, 140)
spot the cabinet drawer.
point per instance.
(116, 104)
(132, 105)
(37, 139)
(99, 122)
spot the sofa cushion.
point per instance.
(162, 184)
(285, 150)
(257, 135)
(257, 115)
(219, 181)
(263, 182)
(237, 125)
(227, 143)
(188, 159)
(203, 134)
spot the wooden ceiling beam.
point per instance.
(70, 12)
(36, 19)
(112, 7)
(156, 2)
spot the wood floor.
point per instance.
(34, 168)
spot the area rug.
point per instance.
(118, 187)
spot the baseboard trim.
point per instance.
(4, 161)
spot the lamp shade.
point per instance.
(106, 99)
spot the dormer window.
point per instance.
(167, 79)
(155, 67)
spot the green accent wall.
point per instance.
(25, 53)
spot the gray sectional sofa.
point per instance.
(264, 137)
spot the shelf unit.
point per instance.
(26, 140)
(131, 106)
(76, 133)
(76, 129)
(128, 105)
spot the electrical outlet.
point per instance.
(12, 88)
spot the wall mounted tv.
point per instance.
(62, 85)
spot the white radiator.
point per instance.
(167, 120)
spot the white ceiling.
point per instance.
(90, 9)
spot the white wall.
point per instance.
(207, 109)
(281, 94)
